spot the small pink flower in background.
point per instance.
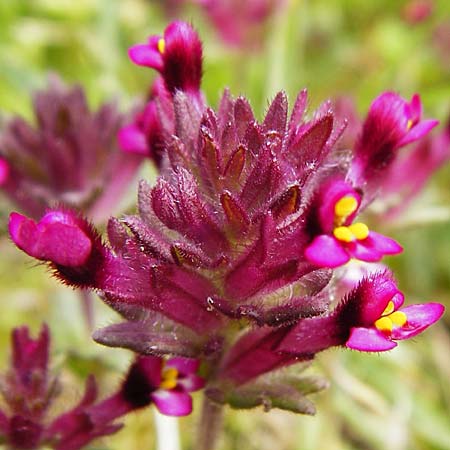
(339, 238)
(240, 22)
(417, 11)
(390, 124)
(27, 421)
(70, 156)
(412, 170)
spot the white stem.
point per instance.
(167, 433)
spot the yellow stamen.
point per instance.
(169, 378)
(343, 234)
(359, 230)
(398, 318)
(409, 124)
(389, 309)
(390, 318)
(161, 45)
(384, 324)
(345, 206)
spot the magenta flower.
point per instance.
(177, 56)
(29, 391)
(393, 325)
(391, 123)
(368, 319)
(70, 156)
(167, 384)
(411, 171)
(335, 208)
(404, 177)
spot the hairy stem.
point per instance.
(210, 425)
(87, 308)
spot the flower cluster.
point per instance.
(28, 391)
(69, 156)
(230, 258)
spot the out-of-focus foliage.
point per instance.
(399, 401)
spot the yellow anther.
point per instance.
(390, 318)
(384, 324)
(359, 230)
(409, 124)
(343, 234)
(169, 378)
(345, 206)
(161, 45)
(398, 318)
(389, 309)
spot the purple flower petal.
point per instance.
(382, 244)
(359, 250)
(132, 139)
(191, 383)
(55, 238)
(24, 433)
(369, 340)
(419, 317)
(4, 171)
(144, 55)
(334, 190)
(182, 58)
(172, 403)
(185, 366)
(148, 368)
(371, 297)
(417, 132)
(415, 108)
(326, 251)
(373, 248)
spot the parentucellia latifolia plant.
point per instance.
(235, 257)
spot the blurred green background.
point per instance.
(397, 401)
